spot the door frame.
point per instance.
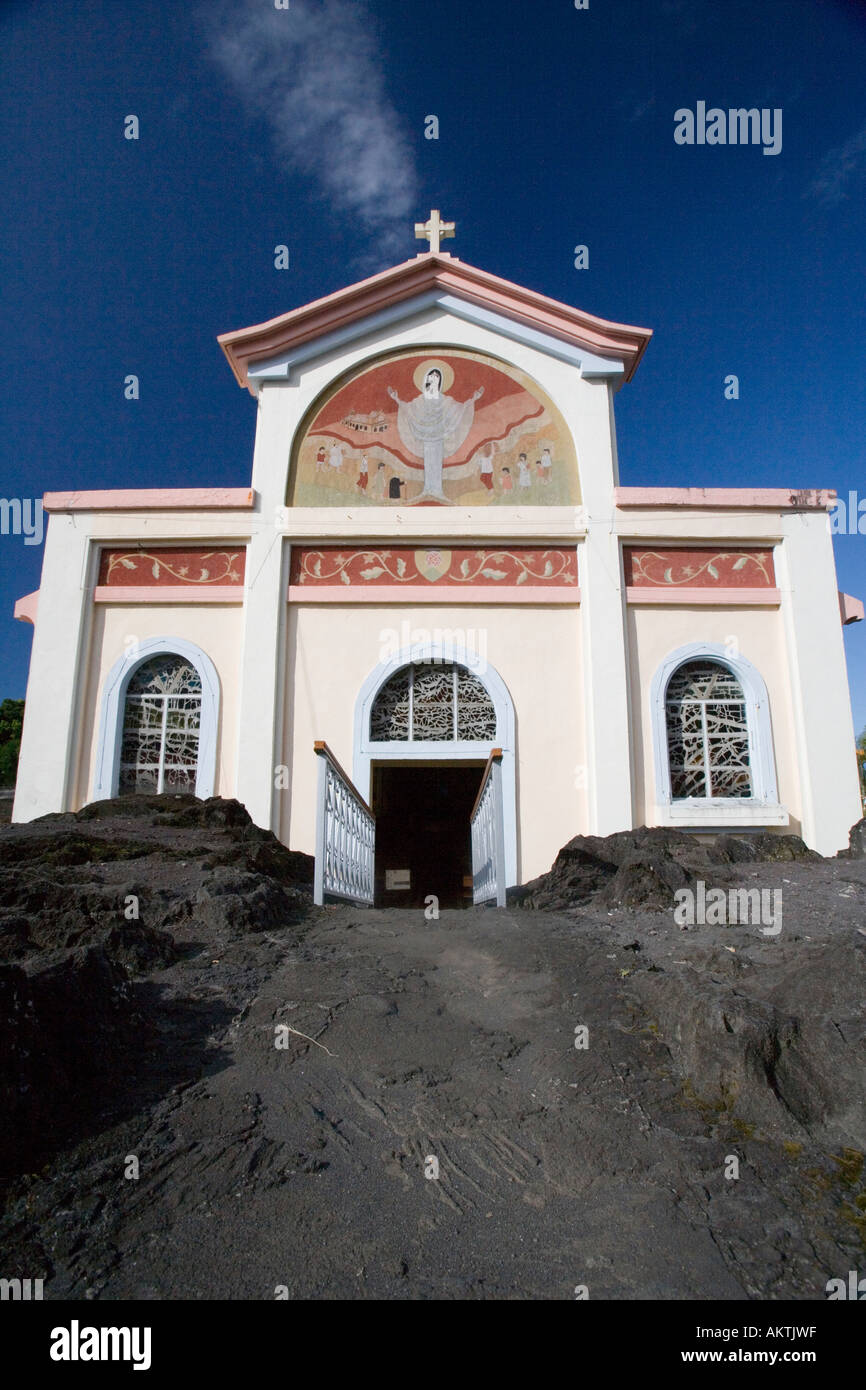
(367, 751)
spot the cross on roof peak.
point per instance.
(434, 230)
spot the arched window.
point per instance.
(161, 725)
(438, 703)
(713, 740)
(708, 732)
(159, 721)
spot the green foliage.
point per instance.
(11, 719)
(861, 766)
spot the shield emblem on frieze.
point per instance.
(432, 564)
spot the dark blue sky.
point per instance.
(556, 128)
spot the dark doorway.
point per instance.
(423, 843)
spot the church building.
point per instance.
(436, 637)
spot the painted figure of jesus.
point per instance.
(433, 427)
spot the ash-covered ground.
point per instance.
(414, 1046)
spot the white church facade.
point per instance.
(436, 604)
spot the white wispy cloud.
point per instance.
(838, 168)
(314, 74)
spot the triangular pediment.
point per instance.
(268, 351)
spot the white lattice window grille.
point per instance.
(707, 732)
(433, 703)
(161, 727)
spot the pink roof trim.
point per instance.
(26, 608)
(768, 499)
(244, 346)
(168, 593)
(685, 597)
(851, 609)
(430, 593)
(152, 499)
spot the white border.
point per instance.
(762, 808)
(366, 751)
(107, 770)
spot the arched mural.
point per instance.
(435, 428)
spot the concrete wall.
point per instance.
(536, 651)
(579, 678)
(759, 633)
(283, 407)
(818, 679)
(215, 628)
(282, 412)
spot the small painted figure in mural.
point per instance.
(321, 459)
(524, 475)
(545, 464)
(506, 480)
(377, 487)
(394, 488)
(363, 474)
(336, 456)
(433, 426)
(487, 471)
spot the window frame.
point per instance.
(411, 740)
(366, 751)
(106, 775)
(163, 699)
(762, 807)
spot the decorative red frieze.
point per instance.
(704, 568)
(171, 567)
(535, 566)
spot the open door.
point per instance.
(488, 836)
(423, 835)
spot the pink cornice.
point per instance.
(245, 346)
(721, 598)
(26, 608)
(168, 593)
(850, 609)
(767, 499)
(152, 499)
(432, 593)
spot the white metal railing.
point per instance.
(488, 835)
(345, 835)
